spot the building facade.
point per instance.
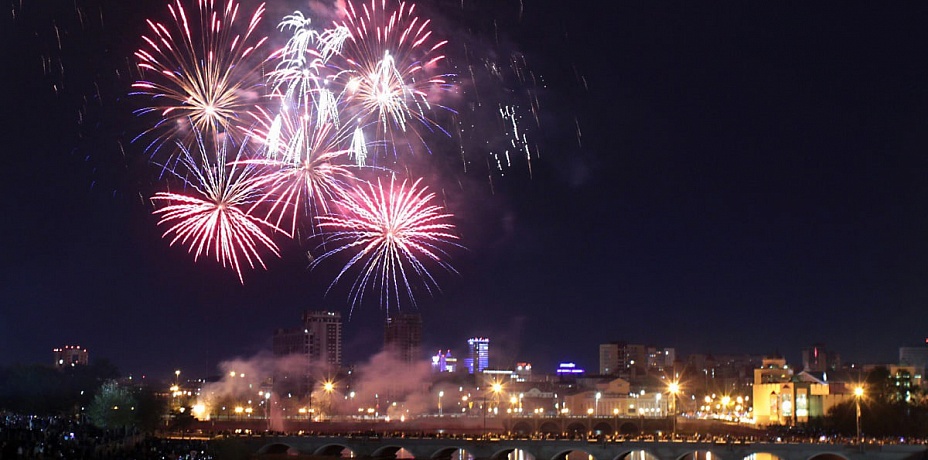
(70, 356)
(320, 339)
(478, 355)
(402, 336)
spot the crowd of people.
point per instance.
(32, 437)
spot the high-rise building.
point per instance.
(661, 359)
(320, 339)
(613, 358)
(402, 336)
(478, 355)
(70, 356)
(618, 358)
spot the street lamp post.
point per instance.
(674, 388)
(615, 423)
(589, 416)
(267, 408)
(596, 403)
(328, 387)
(858, 393)
(440, 394)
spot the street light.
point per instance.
(589, 415)
(858, 393)
(440, 394)
(596, 403)
(615, 424)
(328, 387)
(674, 388)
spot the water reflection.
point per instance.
(762, 456)
(520, 454)
(461, 454)
(640, 455)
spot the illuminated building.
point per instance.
(70, 356)
(569, 370)
(478, 355)
(444, 362)
(402, 336)
(782, 398)
(523, 372)
(621, 358)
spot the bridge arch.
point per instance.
(576, 428)
(828, 456)
(392, 451)
(603, 428)
(278, 449)
(520, 454)
(629, 428)
(522, 427)
(562, 455)
(637, 455)
(550, 428)
(333, 450)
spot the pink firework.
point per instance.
(390, 233)
(210, 217)
(203, 76)
(388, 66)
(306, 165)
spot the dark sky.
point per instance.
(750, 178)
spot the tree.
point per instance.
(113, 407)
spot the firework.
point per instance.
(387, 67)
(211, 217)
(204, 77)
(306, 166)
(390, 233)
(297, 75)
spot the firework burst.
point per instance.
(211, 217)
(387, 67)
(391, 233)
(306, 165)
(204, 77)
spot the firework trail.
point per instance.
(205, 76)
(390, 232)
(210, 218)
(387, 68)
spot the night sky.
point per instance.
(748, 178)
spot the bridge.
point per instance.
(463, 448)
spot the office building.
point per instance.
(478, 355)
(319, 339)
(402, 336)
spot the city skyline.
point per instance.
(749, 178)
